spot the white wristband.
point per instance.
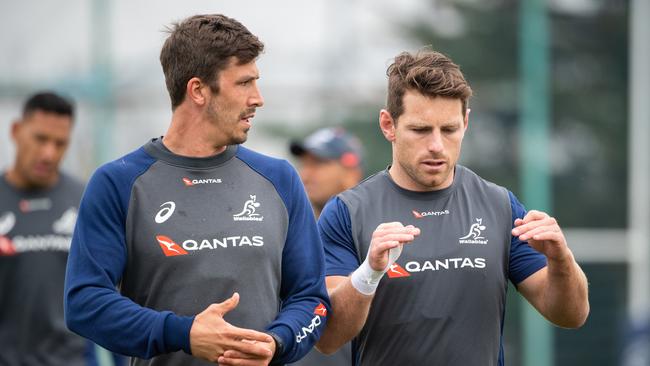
(365, 279)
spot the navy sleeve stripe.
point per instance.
(93, 307)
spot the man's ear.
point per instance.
(15, 130)
(196, 91)
(466, 122)
(387, 125)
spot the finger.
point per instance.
(400, 237)
(549, 221)
(387, 245)
(396, 230)
(224, 307)
(387, 225)
(249, 335)
(538, 230)
(241, 362)
(534, 215)
(252, 350)
(231, 353)
(553, 236)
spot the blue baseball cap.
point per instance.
(333, 143)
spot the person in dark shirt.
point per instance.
(418, 256)
(214, 246)
(38, 209)
(330, 161)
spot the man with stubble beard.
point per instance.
(214, 247)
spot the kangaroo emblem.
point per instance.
(475, 230)
(249, 207)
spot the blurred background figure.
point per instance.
(330, 160)
(38, 210)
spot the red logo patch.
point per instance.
(188, 182)
(396, 271)
(417, 214)
(6, 246)
(320, 310)
(169, 247)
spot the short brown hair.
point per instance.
(428, 72)
(201, 46)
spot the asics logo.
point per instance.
(7, 222)
(169, 247)
(165, 212)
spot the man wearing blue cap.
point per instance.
(330, 162)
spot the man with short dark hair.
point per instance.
(330, 161)
(192, 219)
(38, 209)
(447, 240)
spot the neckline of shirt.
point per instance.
(158, 150)
(424, 195)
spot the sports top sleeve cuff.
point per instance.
(286, 337)
(177, 332)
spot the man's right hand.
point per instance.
(389, 236)
(211, 335)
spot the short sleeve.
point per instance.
(524, 260)
(335, 229)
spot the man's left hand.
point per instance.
(237, 358)
(543, 234)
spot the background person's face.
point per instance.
(233, 107)
(427, 141)
(322, 178)
(41, 140)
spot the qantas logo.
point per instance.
(7, 248)
(320, 310)
(423, 214)
(193, 182)
(166, 211)
(169, 247)
(249, 212)
(396, 271)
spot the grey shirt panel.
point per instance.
(35, 233)
(444, 301)
(225, 218)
